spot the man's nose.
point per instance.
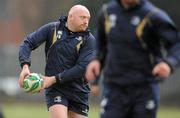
(86, 20)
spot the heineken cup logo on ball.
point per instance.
(33, 83)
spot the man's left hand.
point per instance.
(162, 69)
(48, 81)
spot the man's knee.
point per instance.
(58, 111)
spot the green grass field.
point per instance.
(39, 111)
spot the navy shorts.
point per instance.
(76, 102)
(139, 101)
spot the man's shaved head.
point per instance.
(78, 18)
(78, 8)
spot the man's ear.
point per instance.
(70, 16)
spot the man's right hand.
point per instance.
(93, 70)
(25, 72)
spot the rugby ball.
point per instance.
(33, 83)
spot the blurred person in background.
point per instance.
(1, 114)
(69, 48)
(131, 35)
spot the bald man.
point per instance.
(68, 49)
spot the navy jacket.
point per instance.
(130, 42)
(67, 53)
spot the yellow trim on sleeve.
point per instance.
(54, 36)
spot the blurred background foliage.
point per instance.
(20, 17)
